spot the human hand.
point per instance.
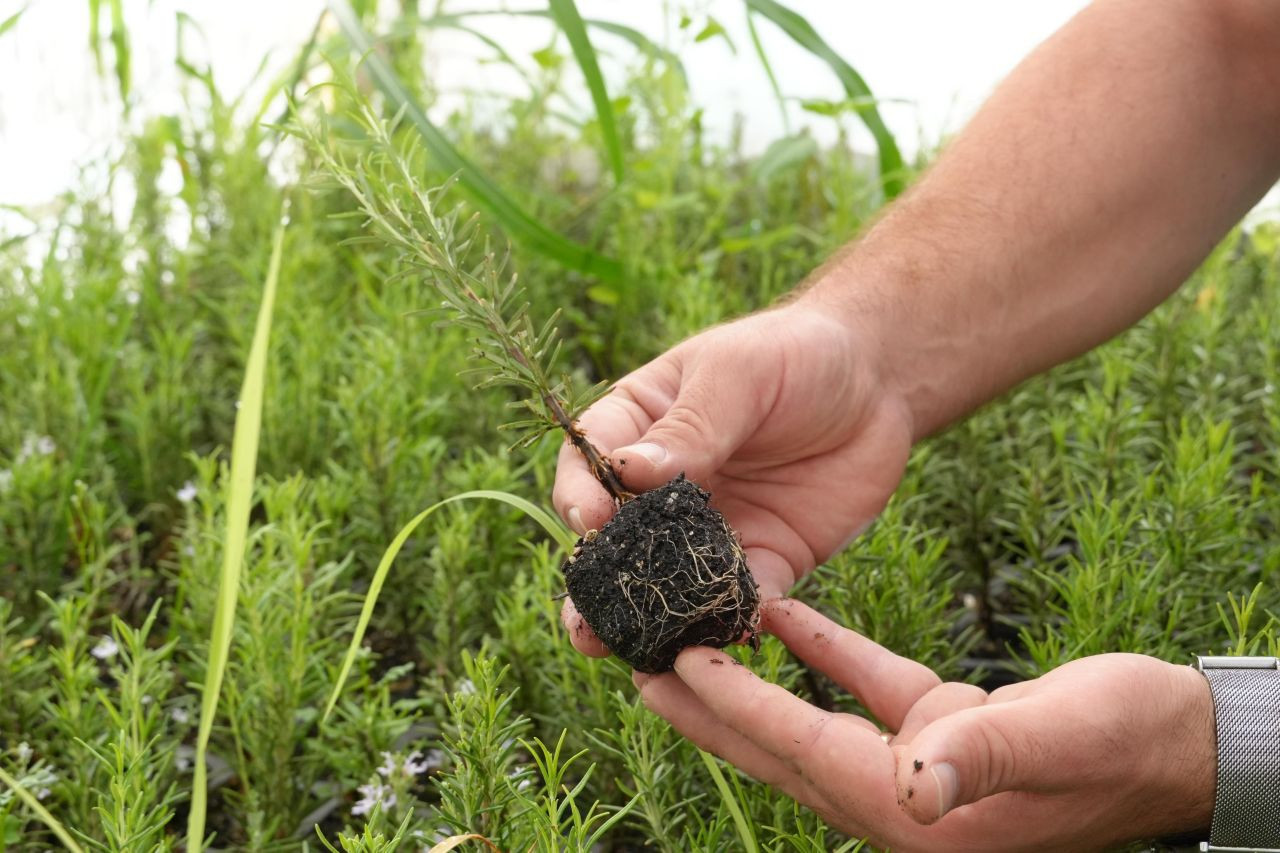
(784, 416)
(1099, 751)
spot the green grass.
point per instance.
(239, 499)
(1127, 500)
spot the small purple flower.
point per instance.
(36, 445)
(106, 649)
(373, 795)
(416, 765)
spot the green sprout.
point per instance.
(481, 296)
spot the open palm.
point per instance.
(784, 416)
(1099, 751)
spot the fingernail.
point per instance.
(944, 777)
(575, 521)
(654, 453)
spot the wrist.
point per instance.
(887, 341)
(1179, 770)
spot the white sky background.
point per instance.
(938, 56)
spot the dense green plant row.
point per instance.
(1125, 501)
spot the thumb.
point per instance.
(711, 417)
(981, 751)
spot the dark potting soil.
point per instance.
(665, 573)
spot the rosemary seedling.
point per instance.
(482, 297)
(667, 571)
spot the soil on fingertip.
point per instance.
(665, 573)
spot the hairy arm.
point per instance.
(1090, 185)
(1085, 191)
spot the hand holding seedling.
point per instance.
(1100, 750)
(1094, 181)
(799, 420)
(784, 416)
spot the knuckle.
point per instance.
(961, 694)
(995, 757)
(688, 424)
(756, 703)
(561, 497)
(816, 738)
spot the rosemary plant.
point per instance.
(667, 571)
(482, 296)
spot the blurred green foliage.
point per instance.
(1125, 501)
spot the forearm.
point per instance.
(1091, 184)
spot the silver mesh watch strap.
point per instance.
(1246, 702)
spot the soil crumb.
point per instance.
(665, 573)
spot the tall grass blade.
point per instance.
(803, 34)
(640, 42)
(637, 39)
(549, 523)
(518, 224)
(570, 22)
(784, 154)
(40, 811)
(300, 68)
(457, 21)
(244, 457)
(95, 32)
(768, 72)
(731, 803)
(120, 43)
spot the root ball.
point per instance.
(665, 573)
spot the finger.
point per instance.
(714, 412)
(767, 523)
(845, 767)
(773, 574)
(1033, 744)
(770, 717)
(582, 636)
(1089, 725)
(670, 698)
(614, 420)
(937, 703)
(887, 684)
